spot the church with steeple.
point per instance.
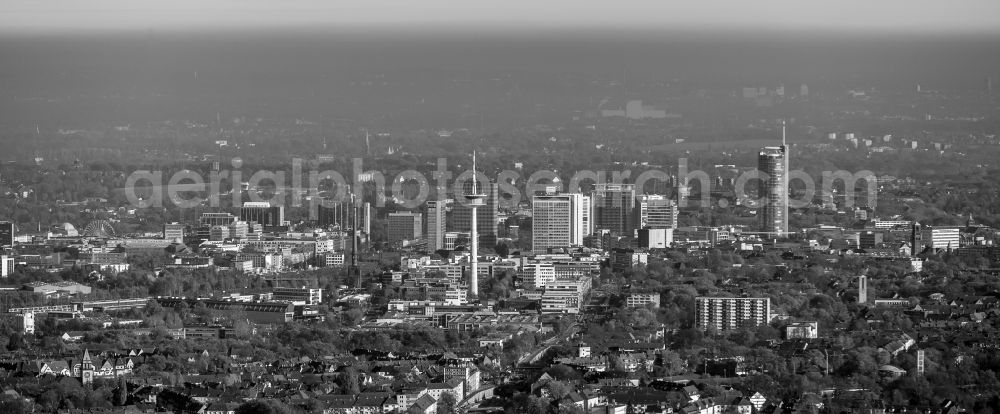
(86, 368)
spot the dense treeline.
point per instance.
(822, 289)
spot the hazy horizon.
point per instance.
(847, 16)
(161, 60)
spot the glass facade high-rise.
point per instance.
(6, 234)
(614, 208)
(340, 214)
(263, 213)
(436, 224)
(773, 190)
(404, 226)
(331, 214)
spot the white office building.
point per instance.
(557, 221)
(944, 238)
(537, 275)
(6, 266)
(731, 313)
(656, 212)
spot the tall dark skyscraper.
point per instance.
(6, 234)
(330, 215)
(773, 161)
(614, 208)
(862, 289)
(405, 226)
(486, 215)
(346, 215)
(263, 213)
(436, 224)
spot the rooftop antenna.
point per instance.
(474, 172)
(322, 130)
(782, 132)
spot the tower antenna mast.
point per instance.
(782, 132)
(475, 200)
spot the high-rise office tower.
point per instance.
(773, 161)
(404, 225)
(486, 215)
(365, 218)
(332, 214)
(614, 208)
(6, 266)
(588, 215)
(435, 224)
(475, 201)
(862, 289)
(6, 234)
(557, 221)
(682, 191)
(353, 223)
(340, 214)
(642, 208)
(916, 239)
(656, 212)
(263, 213)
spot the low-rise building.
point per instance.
(622, 259)
(6, 266)
(256, 312)
(564, 296)
(802, 330)
(298, 295)
(638, 300)
(724, 313)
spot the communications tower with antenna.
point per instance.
(475, 200)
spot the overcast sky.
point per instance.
(929, 16)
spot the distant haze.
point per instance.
(124, 78)
(926, 16)
(430, 62)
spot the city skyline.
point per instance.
(443, 206)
